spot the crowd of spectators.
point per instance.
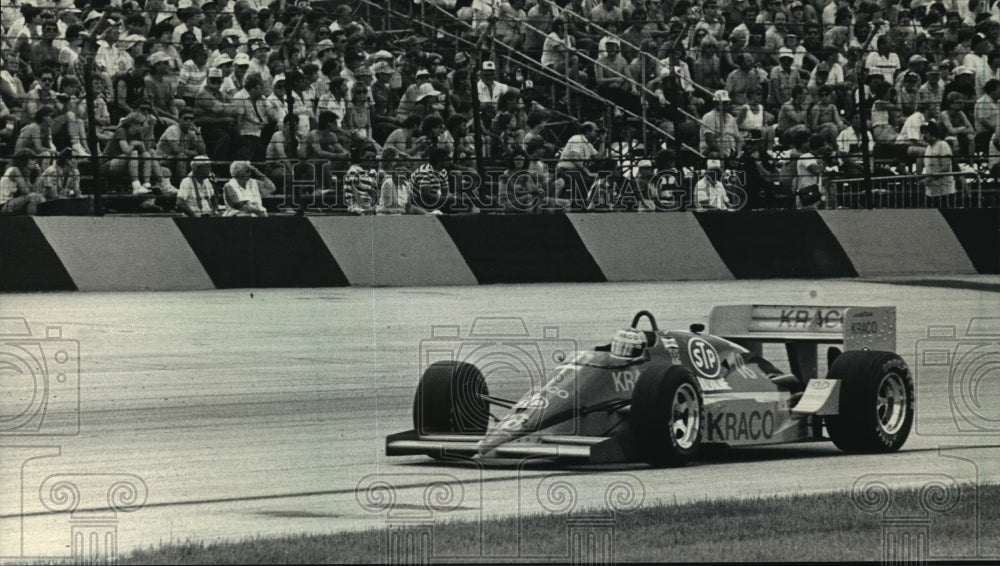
(566, 91)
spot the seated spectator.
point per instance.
(720, 134)
(559, 51)
(325, 143)
(612, 75)
(706, 70)
(37, 136)
(179, 144)
(754, 121)
(193, 75)
(160, 89)
(129, 89)
(794, 112)
(955, 125)
(361, 180)
(783, 79)
(357, 119)
(43, 94)
(244, 191)
(490, 90)
(849, 147)
(251, 119)
(18, 194)
(68, 127)
(196, 196)
(61, 179)
(520, 189)
(932, 90)
(709, 192)
(126, 154)
(576, 156)
(824, 117)
(234, 83)
(744, 78)
(882, 114)
(431, 189)
(394, 190)
(405, 140)
(216, 116)
(11, 88)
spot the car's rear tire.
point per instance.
(449, 400)
(876, 402)
(667, 416)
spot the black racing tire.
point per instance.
(448, 400)
(876, 402)
(659, 402)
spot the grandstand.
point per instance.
(540, 106)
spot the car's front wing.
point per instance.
(577, 449)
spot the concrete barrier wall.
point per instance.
(129, 253)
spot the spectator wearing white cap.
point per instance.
(782, 80)
(258, 51)
(489, 89)
(161, 90)
(932, 90)
(162, 36)
(720, 134)
(234, 82)
(196, 196)
(409, 99)
(916, 64)
(216, 116)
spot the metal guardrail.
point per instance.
(972, 190)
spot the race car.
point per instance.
(659, 396)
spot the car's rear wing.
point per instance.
(854, 327)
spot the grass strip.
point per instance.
(797, 528)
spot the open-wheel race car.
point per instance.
(658, 396)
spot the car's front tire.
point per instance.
(449, 400)
(876, 402)
(667, 416)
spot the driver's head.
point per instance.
(628, 343)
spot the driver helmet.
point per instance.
(628, 343)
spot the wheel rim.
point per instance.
(891, 404)
(685, 416)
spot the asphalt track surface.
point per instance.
(243, 413)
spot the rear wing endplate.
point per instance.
(854, 327)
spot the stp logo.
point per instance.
(704, 358)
